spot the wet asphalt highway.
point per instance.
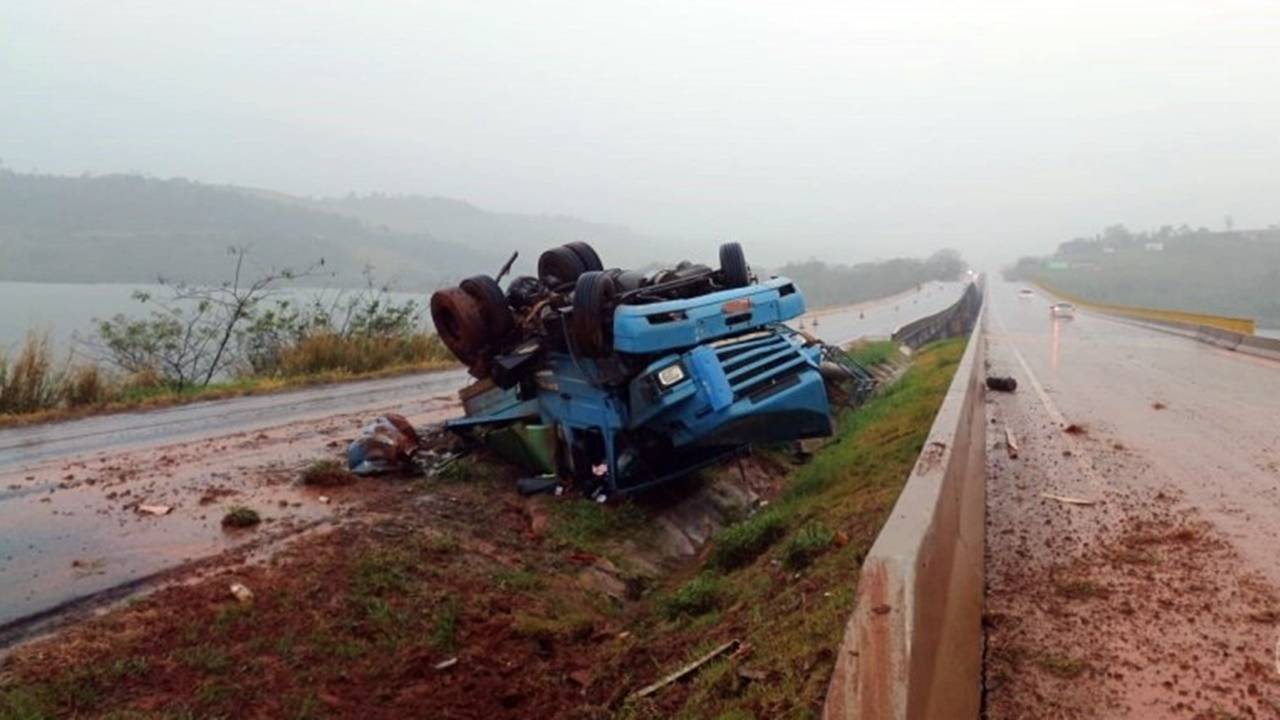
(26, 445)
(1206, 418)
(879, 318)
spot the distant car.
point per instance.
(1026, 293)
(1062, 309)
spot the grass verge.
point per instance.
(872, 352)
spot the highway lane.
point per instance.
(1171, 573)
(879, 318)
(22, 446)
(1217, 436)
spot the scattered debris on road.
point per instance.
(241, 593)
(1010, 443)
(1068, 500)
(1002, 383)
(241, 517)
(388, 443)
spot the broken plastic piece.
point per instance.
(388, 443)
(537, 485)
(242, 593)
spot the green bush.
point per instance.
(696, 597)
(806, 545)
(742, 542)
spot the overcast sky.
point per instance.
(837, 129)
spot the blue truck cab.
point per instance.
(689, 381)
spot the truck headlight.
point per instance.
(670, 375)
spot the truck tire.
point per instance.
(734, 271)
(593, 299)
(587, 254)
(494, 310)
(459, 323)
(559, 266)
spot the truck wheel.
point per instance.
(587, 254)
(559, 265)
(494, 310)
(593, 298)
(459, 323)
(733, 266)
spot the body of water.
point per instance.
(67, 310)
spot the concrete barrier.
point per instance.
(1261, 346)
(913, 646)
(952, 321)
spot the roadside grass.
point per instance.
(696, 597)
(367, 617)
(805, 546)
(584, 525)
(872, 352)
(742, 542)
(36, 388)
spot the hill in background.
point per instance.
(131, 229)
(126, 228)
(1233, 273)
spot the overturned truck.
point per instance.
(622, 380)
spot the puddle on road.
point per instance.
(64, 543)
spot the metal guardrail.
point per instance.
(956, 320)
(1243, 326)
(1225, 332)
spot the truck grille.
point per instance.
(759, 365)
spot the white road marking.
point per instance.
(1076, 446)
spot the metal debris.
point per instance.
(686, 670)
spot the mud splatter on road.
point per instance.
(1140, 605)
(61, 517)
